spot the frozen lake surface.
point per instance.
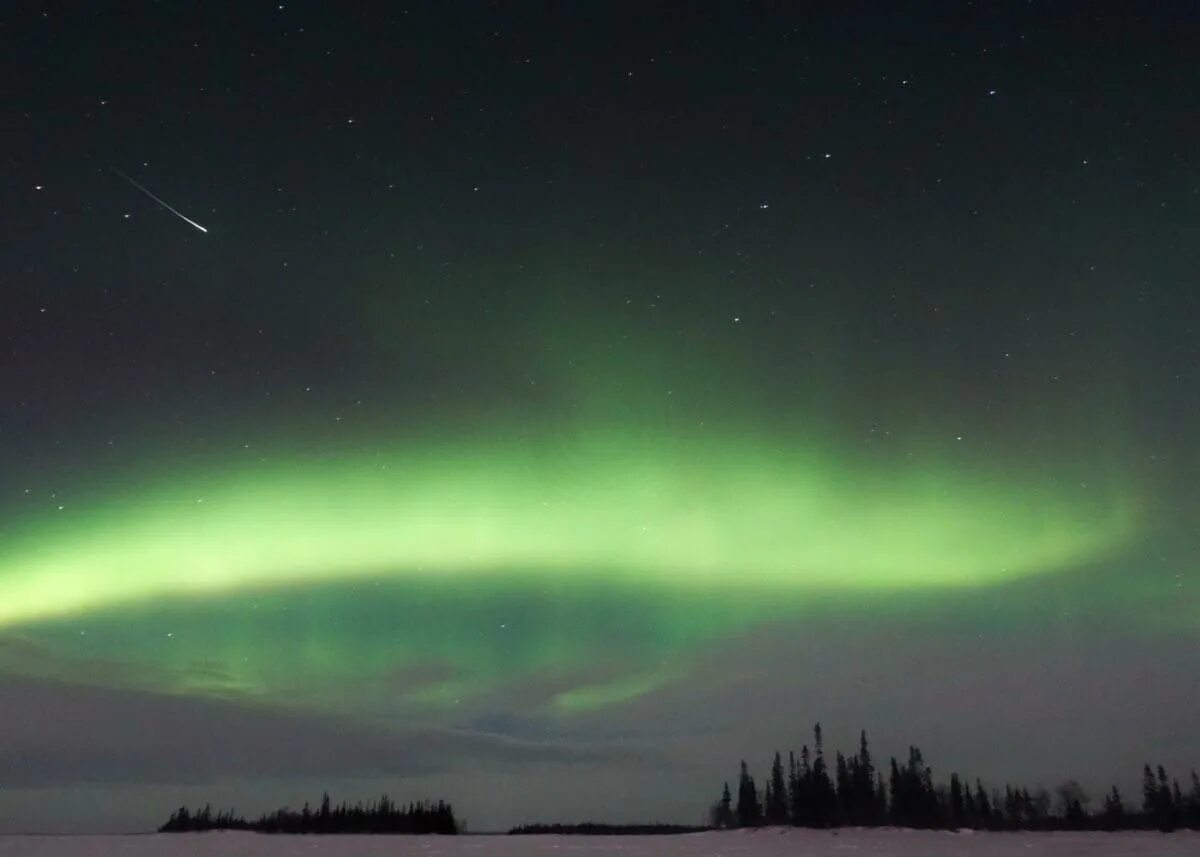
(767, 843)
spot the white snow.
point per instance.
(771, 842)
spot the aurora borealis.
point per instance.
(666, 512)
(590, 396)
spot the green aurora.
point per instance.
(675, 512)
(383, 646)
(603, 560)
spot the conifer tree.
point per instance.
(1011, 816)
(722, 813)
(899, 803)
(1150, 801)
(863, 777)
(983, 806)
(802, 802)
(1112, 816)
(956, 801)
(969, 815)
(793, 787)
(777, 794)
(928, 797)
(845, 796)
(1166, 806)
(824, 798)
(749, 810)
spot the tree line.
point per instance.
(809, 792)
(590, 828)
(382, 816)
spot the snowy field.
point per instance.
(767, 843)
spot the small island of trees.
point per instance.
(806, 792)
(382, 816)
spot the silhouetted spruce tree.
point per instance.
(824, 798)
(862, 778)
(968, 803)
(931, 810)
(749, 811)
(845, 798)
(802, 792)
(777, 801)
(1150, 802)
(898, 802)
(722, 811)
(983, 807)
(1156, 798)
(957, 813)
(1112, 815)
(1168, 802)
(1011, 816)
(1027, 815)
(914, 800)
(793, 777)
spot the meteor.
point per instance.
(174, 211)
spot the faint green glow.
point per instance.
(594, 696)
(397, 647)
(727, 512)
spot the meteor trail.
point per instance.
(174, 211)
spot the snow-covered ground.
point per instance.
(768, 843)
(762, 843)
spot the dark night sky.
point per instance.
(591, 391)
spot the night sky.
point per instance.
(567, 400)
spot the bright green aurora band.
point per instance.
(670, 512)
(459, 534)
